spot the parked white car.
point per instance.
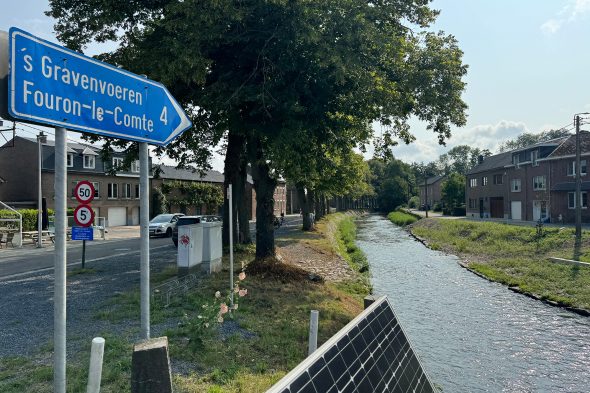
(163, 224)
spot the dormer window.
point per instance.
(88, 162)
(516, 160)
(135, 166)
(70, 160)
(117, 162)
(535, 157)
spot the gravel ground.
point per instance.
(26, 321)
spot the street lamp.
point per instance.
(41, 138)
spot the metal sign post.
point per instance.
(231, 244)
(144, 236)
(59, 297)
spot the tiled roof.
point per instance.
(431, 180)
(568, 146)
(570, 186)
(70, 145)
(170, 172)
(493, 162)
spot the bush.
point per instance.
(401, 218)
(459, 211)
(437, 207)
(414, 202)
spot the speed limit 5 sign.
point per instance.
(84, 192)
(84, 215)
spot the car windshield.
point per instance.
(161, 218)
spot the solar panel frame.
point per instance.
(335, 367)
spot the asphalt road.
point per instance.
(18, 262)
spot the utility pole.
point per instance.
(426, 194)
(578, 196)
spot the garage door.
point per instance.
(516, 210)
(117, 216)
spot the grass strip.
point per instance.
(402, 219)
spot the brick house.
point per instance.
(433, 188)
(532, 183)
(116, 196)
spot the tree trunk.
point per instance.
(243, 217)
(318, 206)
(235, 147)
(306, 209)
(264, 185)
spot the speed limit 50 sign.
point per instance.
(84, 192)
(84, 215)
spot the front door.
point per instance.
(480, 207)
(497, 207)
(516, 210)
(540, 210)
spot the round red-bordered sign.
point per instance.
(84, 215)
(84, 192)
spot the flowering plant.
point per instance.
(215, 312)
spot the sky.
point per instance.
(529, 63)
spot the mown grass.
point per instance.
(401, 219)
(516, 256)
(268, 336)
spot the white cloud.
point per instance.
(572, 11)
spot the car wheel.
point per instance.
(169, 232)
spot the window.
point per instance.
(70, 160)
(571, 200)
(472, 183)
(88, 162)
(126, 190)
(117, 162)
(515, 185)
(571, 168)
(484, 181)
(135, 166)
(96, 189)
(472, 203)
(516, 160)
(137, 191)
(539, 183)
(535, 157)
(113, 191)
(498, 179)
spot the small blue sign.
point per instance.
(50, 84)
(81, 233)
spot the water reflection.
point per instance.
(474, 335)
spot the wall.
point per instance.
(18, 167)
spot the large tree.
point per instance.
(278, 71)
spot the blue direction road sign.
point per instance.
(53, 85)
(80, 233)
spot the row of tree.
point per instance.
(292, 87)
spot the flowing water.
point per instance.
(473, 335)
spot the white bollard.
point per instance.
(95, 369)
(313, 332)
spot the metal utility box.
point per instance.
(200, 244)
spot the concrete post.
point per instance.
(95, 369)
(313, 332)
(144, 221)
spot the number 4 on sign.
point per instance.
(164, 116)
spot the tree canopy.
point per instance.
(527, 138)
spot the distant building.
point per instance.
(433, 188)
(532, 183)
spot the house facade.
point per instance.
(433, 192)
(530, 184)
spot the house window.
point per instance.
(571, 168)
(96, 189)
(473, 182)
(498, 179)
(515, 185)
(137, 191)
(126, 190)
(135, 166)
(70, 160)
(539, 183)
(113, 191)
(88, 162)
(535, 157)
(117, 162)
(571, 200)
(484, 181)
(472, 203)
(516, 161)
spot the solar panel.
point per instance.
(370, 354)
